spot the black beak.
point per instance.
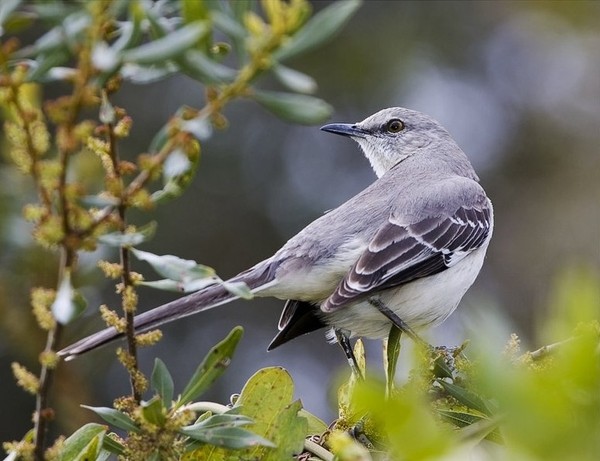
(345, 129)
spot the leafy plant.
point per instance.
(524, 406)
(91, 48)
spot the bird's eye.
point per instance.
(394, 126)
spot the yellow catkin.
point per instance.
(25, 379)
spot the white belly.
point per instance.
(422, 303)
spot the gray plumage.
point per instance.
(415, 239)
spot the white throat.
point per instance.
(380, 159)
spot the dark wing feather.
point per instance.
(400, 253)
(297, 318)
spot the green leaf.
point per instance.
(71, 27)
(193, 10)
(52, 11)
(295, 108)
(175, 268)
(412, 430)
(228, 437)
(41, 68)
(228, 25)
(99, 201)
(130, 31)
(120, 239)
(323, 26)
(179, 287)
(222, 420)
(465, 397)
(483, 429)
(315, 424)
(17, 22)
(167, 47)
(84, 444)
(6, 9)
(214, 364)
(115, 417)
(162, 382)
(460, 418)
(392, 352)
(111, 445)
(294, 80)
(153, 411)
(179, 168)
(267, 398)
(239, 289)
(142, 75)
(198, 66)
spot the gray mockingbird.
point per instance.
(402, 252)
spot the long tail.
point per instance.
(212, 296)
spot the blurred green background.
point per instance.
(516, 83)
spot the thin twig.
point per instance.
(318, 450)
(43, 414)
(545, 351)
(124, 255)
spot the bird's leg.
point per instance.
(344, 342)
(401, 324)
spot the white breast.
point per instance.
(422, 303)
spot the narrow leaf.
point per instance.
(460, 418)
(59, 36)
(239, 289)
(180, 287)
(41, 69)
(162, 382)
(483, 429)
(323, 26)
(111, 445)
(175, 268)
(227, 24)
(222, 420)
(200, 67)
(294, 80)
(114, 417)
(119, 239)
(84, 444)
(228, 437)
(465, 397)
(99, 201)
(213, 366)
(143, 75)
(295, 108)
(167, 47)
(392, 352)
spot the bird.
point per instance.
(402, 252)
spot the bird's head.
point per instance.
(391, 135)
